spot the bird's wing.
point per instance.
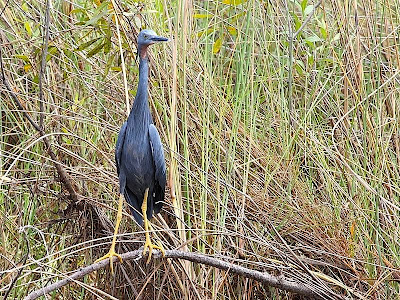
(119, 146)
(159, 163)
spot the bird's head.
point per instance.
(146, 38)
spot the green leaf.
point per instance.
(233, 2)
(202, 16)
(67, 140)
(28, 28)
(308, 10)
(232, 30)
(323, 28)
(25, 7)
(323, 32)
(313, 39)
(77, 10)
(52, 51)
(87, 44)
(310, 60)
(23, 57)
(107, 41)
(300, 63)
(297, 23)
(303, 5)
(95, 19)
(108, 65)
(217, 46)
(99, 13)
(107, 45)
(336, 37)
(27, 67)
(205, 32)
(299, 70)
(95, 50)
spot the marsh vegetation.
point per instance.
(280, 122)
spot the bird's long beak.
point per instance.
(159, 39)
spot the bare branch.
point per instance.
(279, 282)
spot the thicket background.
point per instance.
(277, 136)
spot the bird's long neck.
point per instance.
(140, 109)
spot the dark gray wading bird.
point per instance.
(139, 156)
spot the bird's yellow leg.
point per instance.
(148, 243)
(112, 252)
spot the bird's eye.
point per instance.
(145, 36)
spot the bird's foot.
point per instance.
(110, 255)
(150, 246)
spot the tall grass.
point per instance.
(283, 152)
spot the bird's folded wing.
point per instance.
(119, 146)
(158, 155)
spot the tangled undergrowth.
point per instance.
(280, 122)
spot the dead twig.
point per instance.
(279, 282)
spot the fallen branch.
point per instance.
(279, 282)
